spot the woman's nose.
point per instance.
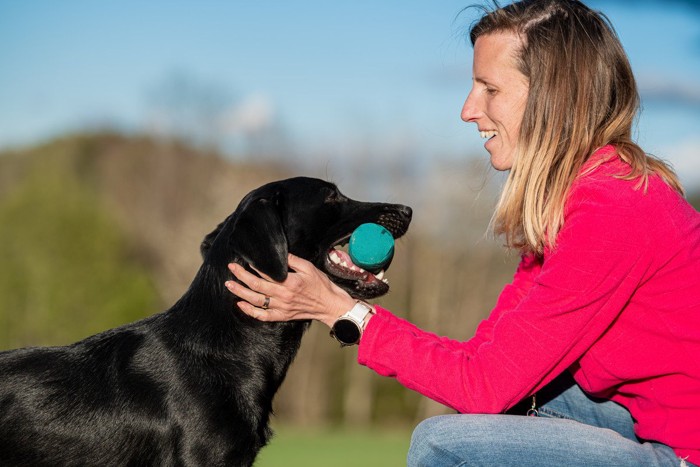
(470, 110)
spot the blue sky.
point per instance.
(334, 78)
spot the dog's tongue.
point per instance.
(343, 258)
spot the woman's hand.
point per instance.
(307, 293)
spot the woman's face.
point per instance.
(497, 100)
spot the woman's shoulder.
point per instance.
(604, 180)
(602, 193)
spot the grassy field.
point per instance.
(337, 448)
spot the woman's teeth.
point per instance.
(488, 134)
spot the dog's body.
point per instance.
(193, 385)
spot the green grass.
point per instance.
(338, 448)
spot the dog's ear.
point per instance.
(258, 236)
(208, 241)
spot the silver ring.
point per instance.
(266, 303)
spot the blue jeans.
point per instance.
(571, 429)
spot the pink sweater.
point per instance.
(616, 302)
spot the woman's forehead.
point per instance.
(495, 56)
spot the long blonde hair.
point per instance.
(582, 96)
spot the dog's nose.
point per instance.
(406, 212)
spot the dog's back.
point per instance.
(58, 404)
(141, 395)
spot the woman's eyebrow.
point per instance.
(484, 81)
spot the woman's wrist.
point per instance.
(338, 309)
(350, 326)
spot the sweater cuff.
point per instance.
(374, 330)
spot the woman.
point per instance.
(602, 320)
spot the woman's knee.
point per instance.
(425, 441)
(426, 430)
(434, 441)
(453, 440)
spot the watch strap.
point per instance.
(359, 312)
(357, 315)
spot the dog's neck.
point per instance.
(210, 319)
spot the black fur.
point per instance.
(193, 385)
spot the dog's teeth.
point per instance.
(334, 257)
(344, 264)
(380, 275)
(386, 281)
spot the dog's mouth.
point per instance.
(359, 282)
(340, 265)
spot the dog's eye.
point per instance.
(333, 197)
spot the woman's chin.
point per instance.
(499, 159)
(500, 164)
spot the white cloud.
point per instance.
(253, 114)
(669, 90)
(685, 158)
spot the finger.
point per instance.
(260, 314)
(253, 282)
(263, 275)
(255, 298)
(252, 311)
(299, 264)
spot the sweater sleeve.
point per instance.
(537, 329)
(510, 296)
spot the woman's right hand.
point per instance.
(306, 293)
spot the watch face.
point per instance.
(346, 331)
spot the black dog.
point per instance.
(193, 385)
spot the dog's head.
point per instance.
(309, 218)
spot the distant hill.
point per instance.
(98, 230)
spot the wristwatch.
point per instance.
(348, 328)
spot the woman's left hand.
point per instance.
(307, 293)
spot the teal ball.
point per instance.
(371, 246)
